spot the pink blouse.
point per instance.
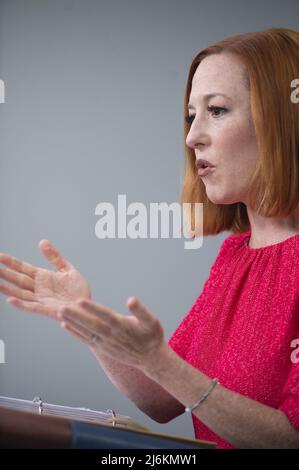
(240, 328)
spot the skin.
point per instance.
(40, 290)
(227, 139)
(137, 340)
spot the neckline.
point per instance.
(287, 241)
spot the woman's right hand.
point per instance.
(40, 290)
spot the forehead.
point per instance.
(223, 73)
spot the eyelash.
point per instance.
(189, 119)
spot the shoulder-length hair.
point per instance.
(271, 58)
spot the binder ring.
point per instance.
(113, 416)
(39, 402)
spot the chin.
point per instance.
(222, 198)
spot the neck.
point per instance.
(270, 230)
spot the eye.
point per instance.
(214, 109)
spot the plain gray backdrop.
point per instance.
(94, 109)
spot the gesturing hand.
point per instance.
(40, 290)
(132, 339)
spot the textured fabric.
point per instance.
(241, 326)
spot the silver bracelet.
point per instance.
(190, 408)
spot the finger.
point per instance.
(87, 337)
(8, 289)
(99, 311)
(74, 333)
(139, 310)
(83, 320)
(18, 265)
(19, 279)
(34, 307)
(54, 256)
(80, 332)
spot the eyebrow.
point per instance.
(209, 95)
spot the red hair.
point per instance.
(271, 58)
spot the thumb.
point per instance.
(52, 254)
(139, 310)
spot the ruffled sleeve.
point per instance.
(290, 404)
(180, 339)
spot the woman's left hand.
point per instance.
(133, 339)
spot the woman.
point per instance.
(239, 330)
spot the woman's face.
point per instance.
(224, 137)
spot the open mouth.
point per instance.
(204, 170)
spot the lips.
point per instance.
(206, 170)
(201, 163)
(204, 167)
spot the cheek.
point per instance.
(236, 145)
(235, 149)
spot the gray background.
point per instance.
(94, 100)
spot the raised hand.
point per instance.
(135, 339)
(40, 290)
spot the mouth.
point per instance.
(203, 166)
(205, 170)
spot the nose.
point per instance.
(196, 136)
